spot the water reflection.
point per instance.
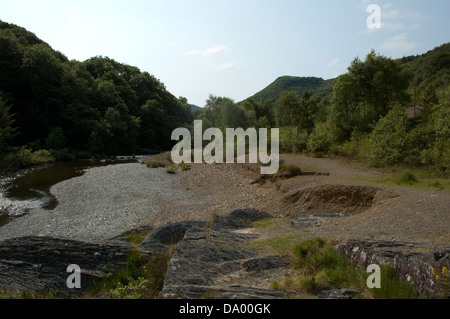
(30, 189)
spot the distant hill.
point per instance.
(431, 68)
(291, 83)
(195, 108)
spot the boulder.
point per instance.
(40, 263)
(412, 262)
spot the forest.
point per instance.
(54, 108)
(382, 112)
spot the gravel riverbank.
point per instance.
(106, 202)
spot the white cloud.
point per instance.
(399, 44)
(227, 66)
(217, 50)
(396, 19)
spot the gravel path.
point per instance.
(106, 202)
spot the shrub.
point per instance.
(388, 143)
(153, 164)
(171, 170)
(442, 281)
(41, 157)
(321, 139)
(408, 177)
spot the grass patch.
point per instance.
(408, 177)
(317, 267)
(171, 170)
(282, 245)
(268, 224)
(158, 161)
(136, 238)
(139, 279)
(185, 167)
(392, 287)
(323, 268)
(154, 164)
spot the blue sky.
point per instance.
(231, 48)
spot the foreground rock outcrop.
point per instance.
(40, 263)
(412, 261)
(212, 260)
(207, 260)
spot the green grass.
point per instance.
(409, 178)
(154, 164)
(171, 170)
(319, 267)
(392, 287)
(282, 245)
(139, 279)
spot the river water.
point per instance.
(30, 189)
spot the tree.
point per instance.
(306, 121)
(7, 131)
(368, 92)
(287, 109)
(389, 143)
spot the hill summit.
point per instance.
(296, 84)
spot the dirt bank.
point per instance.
(379, 211)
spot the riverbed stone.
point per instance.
(40, 263)
(412, 262)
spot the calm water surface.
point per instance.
(30, 189)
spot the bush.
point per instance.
(321, 139)
(171, 170)
(408, 177)
(392, 287)
(41, 157)
(388, 143)
(153, 164)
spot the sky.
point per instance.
(233, 48)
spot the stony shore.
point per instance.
(193, 215)
(106, 202)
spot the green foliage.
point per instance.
(435, 134)
(56, 140)
(171, 170)
(321, 139)
(321, 268)
(392, 287)
(295, 84)
(133, 290)
(293, 140)
(408, 177)
(442, 280)
(367, 92)
(99, 105)
(388, 142)
(287, 109)
(7, 129)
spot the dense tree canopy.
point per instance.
(99, 105)
(367, 92)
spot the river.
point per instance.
(92, 201)
(30, 189)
